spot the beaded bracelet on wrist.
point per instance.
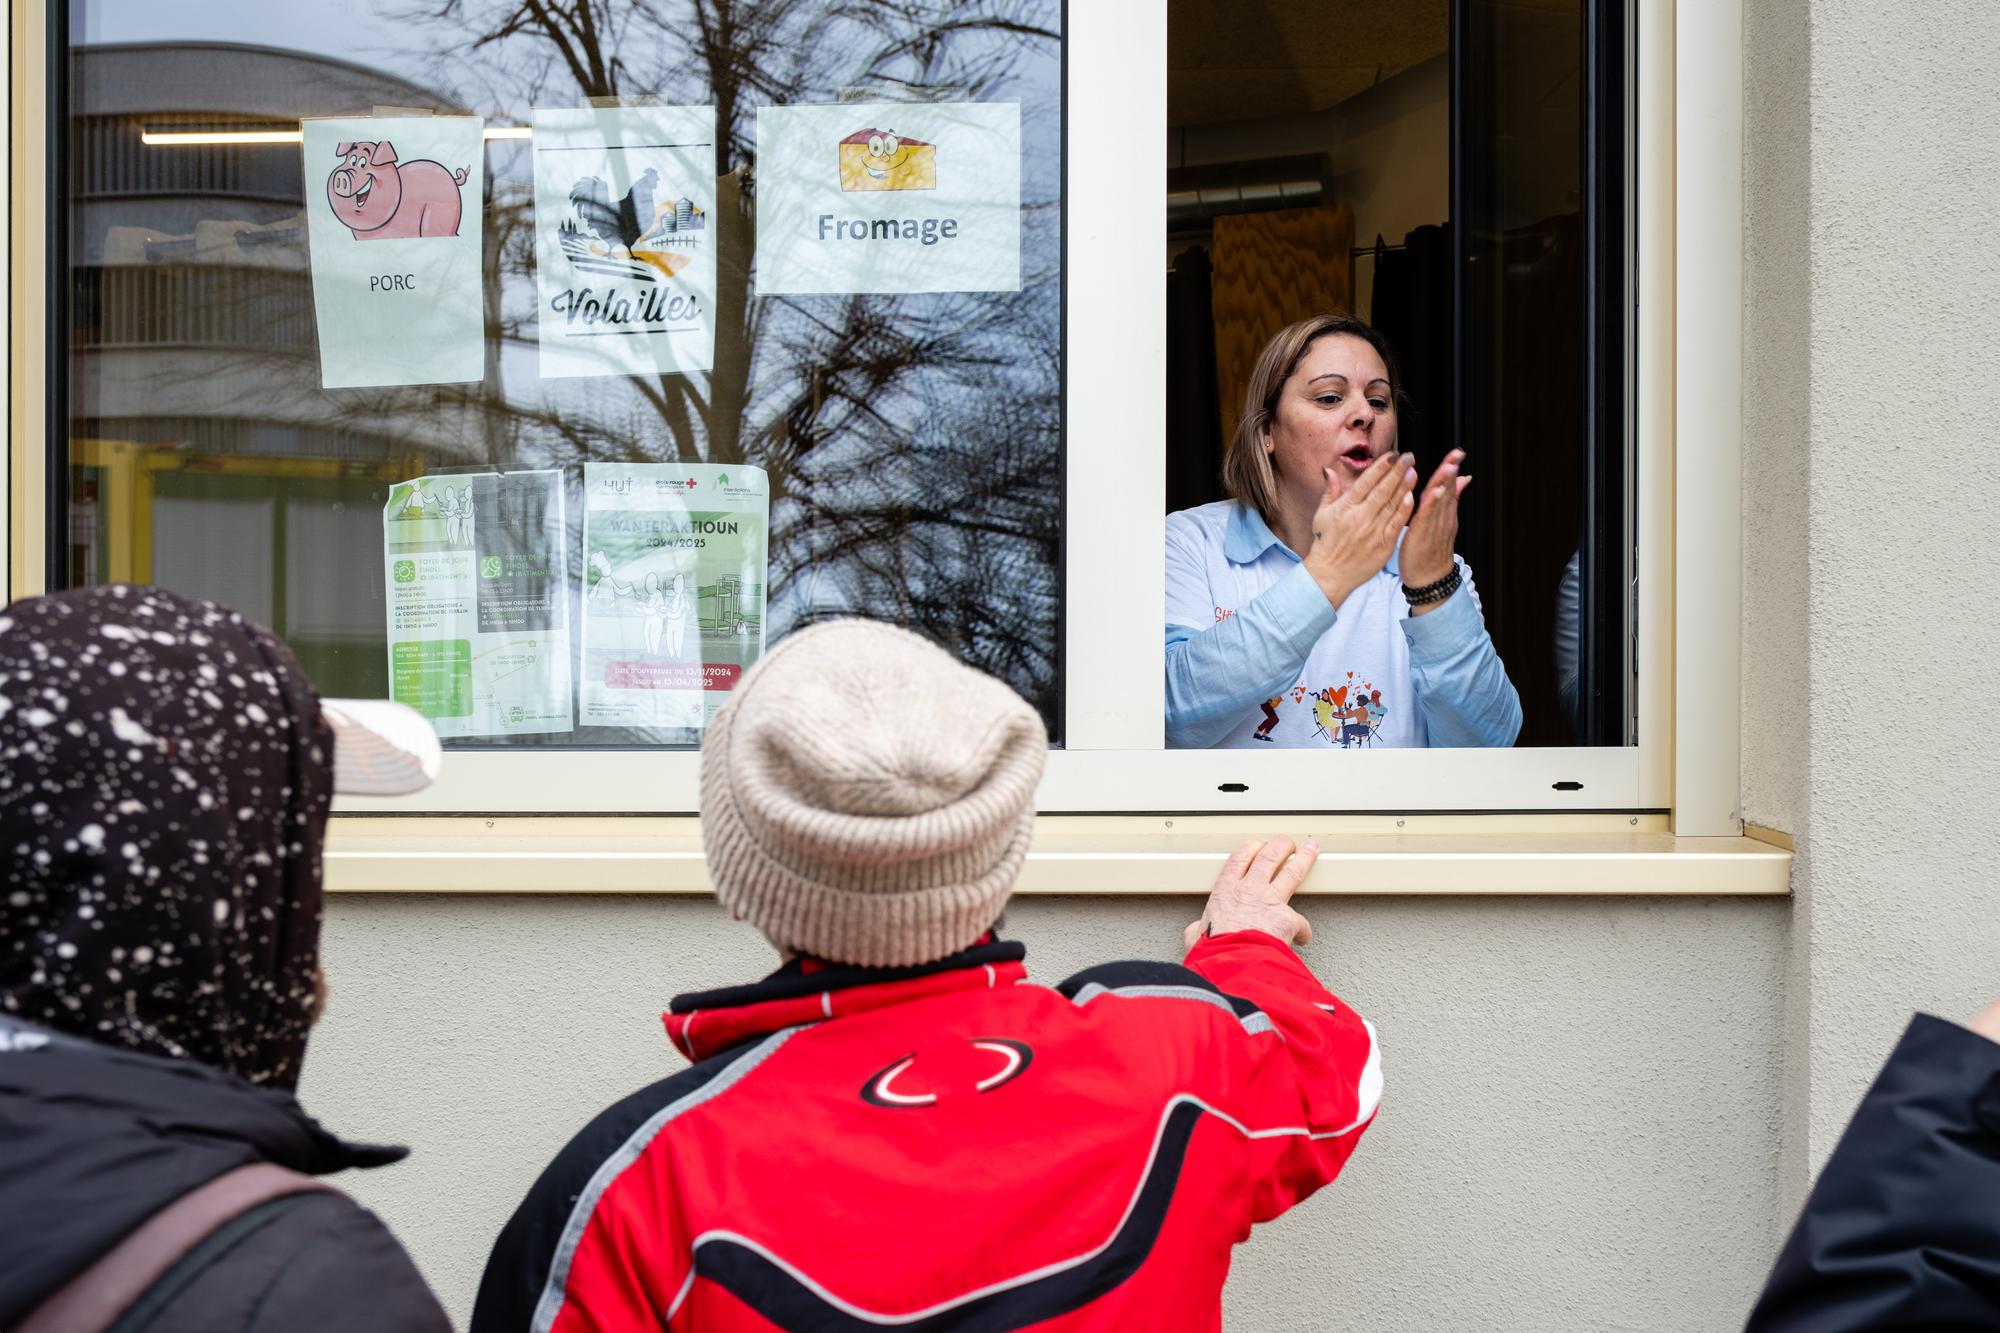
(1434, 592)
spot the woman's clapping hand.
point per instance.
(1434, 530)
(1354, 532)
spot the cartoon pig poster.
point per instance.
(393, 224)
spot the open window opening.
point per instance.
(1454, 173)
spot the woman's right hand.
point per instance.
(1353, 532)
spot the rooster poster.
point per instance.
(624, 241)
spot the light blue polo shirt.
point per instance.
(1256, 655)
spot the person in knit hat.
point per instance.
(897, 1128)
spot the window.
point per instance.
(1455, 175)
(909, 446)
(986, 466)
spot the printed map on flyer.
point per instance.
(674, 589)
(478, 602)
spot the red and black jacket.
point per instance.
(948, 1147)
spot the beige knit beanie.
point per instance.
(866, 798)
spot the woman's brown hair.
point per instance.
(1246, 468)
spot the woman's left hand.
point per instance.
(1427, 547)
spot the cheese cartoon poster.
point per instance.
(872, 159)
(625, 239)
(393, 216)
(889, 197)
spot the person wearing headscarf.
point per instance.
(166, 770)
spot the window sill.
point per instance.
(1481, 854)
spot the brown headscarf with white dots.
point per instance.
(165, 777)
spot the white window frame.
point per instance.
(1114, 758)
(1688, 104)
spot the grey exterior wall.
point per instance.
(1872, 177)
(1577, 1131)
(1776, 439)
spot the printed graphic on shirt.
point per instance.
(1347, 715)
(1264, 728)
(1222, 613)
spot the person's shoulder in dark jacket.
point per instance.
(95, 1140)
(1902, 1229)
(325, 1264)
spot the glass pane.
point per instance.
(1540, 370)
(910, 442)
(1452, 175)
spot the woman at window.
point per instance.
(1322, 605)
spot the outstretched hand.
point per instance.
(1254, 892)
(1434, 530)
(1353, 531)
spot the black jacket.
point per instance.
(93, 1140)
(1903, 1229)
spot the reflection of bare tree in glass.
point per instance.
(913, 443)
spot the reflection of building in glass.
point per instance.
(912, 446)
(205, 456)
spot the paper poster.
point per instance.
(625, 239)
(393, 227)
(889, 197)
(673, 601)
(478, 601)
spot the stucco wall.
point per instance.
(1899, 904)
(1577, 1131)
(1776, 466)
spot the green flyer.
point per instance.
(673, 598)
(478, 602)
